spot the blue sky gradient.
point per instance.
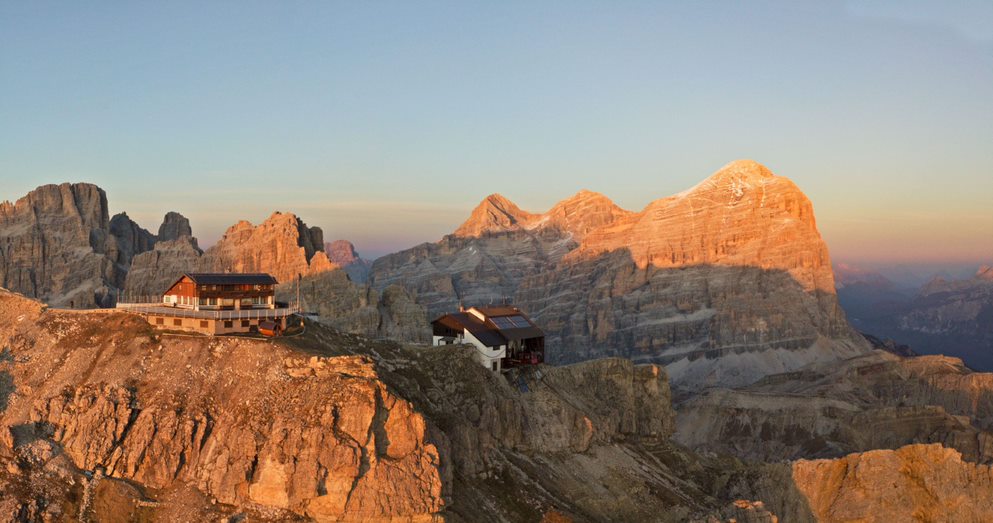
(386, 122)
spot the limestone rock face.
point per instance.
(282, 245)
(154, 271)
(129, 240)
(913, 483)
(342, 253)
(580, 214)
(872, 402)
(246, 422)
(359, 309)
(56, 245)
(742, 215)
(724, 283)
(493, 215)
(175, 226)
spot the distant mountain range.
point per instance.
(943, 316)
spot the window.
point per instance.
(160, 321)
(519, 321)
(228, 324)
(177, 322)
(245, 323)
(510, 322)
(496, 365)
(203, 324)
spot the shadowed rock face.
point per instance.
(58, 244)
(876, 401)
(951, 317)
(175, 226)
(725, 282)
(342, 253)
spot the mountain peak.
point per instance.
(745, 168)
(494, 214)
(741, 215)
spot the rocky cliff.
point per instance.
(324, 426)
(244, 422)
(725, 282)
(342, 253)
(283, 246)
(58, 244)
(913, 483)
(872, 402)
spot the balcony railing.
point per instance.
(159, 309)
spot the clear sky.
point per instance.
(386, 122)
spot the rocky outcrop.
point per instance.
(130, 239)
(724, 283)
(246, 422)
(283, 246)
(495, 214)
(358, 309)
(56, 245)
(154, 271)
(742, 215)
(877, 401)
(342, 253)
(913, 483)
(175, 226)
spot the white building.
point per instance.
(501, 336)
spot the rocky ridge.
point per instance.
(59, 244)
(912, 483)
(342, 253)
(878, 401)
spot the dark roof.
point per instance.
(231, 278)
(499, 310)
(486, 331)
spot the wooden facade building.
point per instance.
(218, 303)
(222, 291)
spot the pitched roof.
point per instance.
(487, 332)
(224, 278)
(499, 310)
